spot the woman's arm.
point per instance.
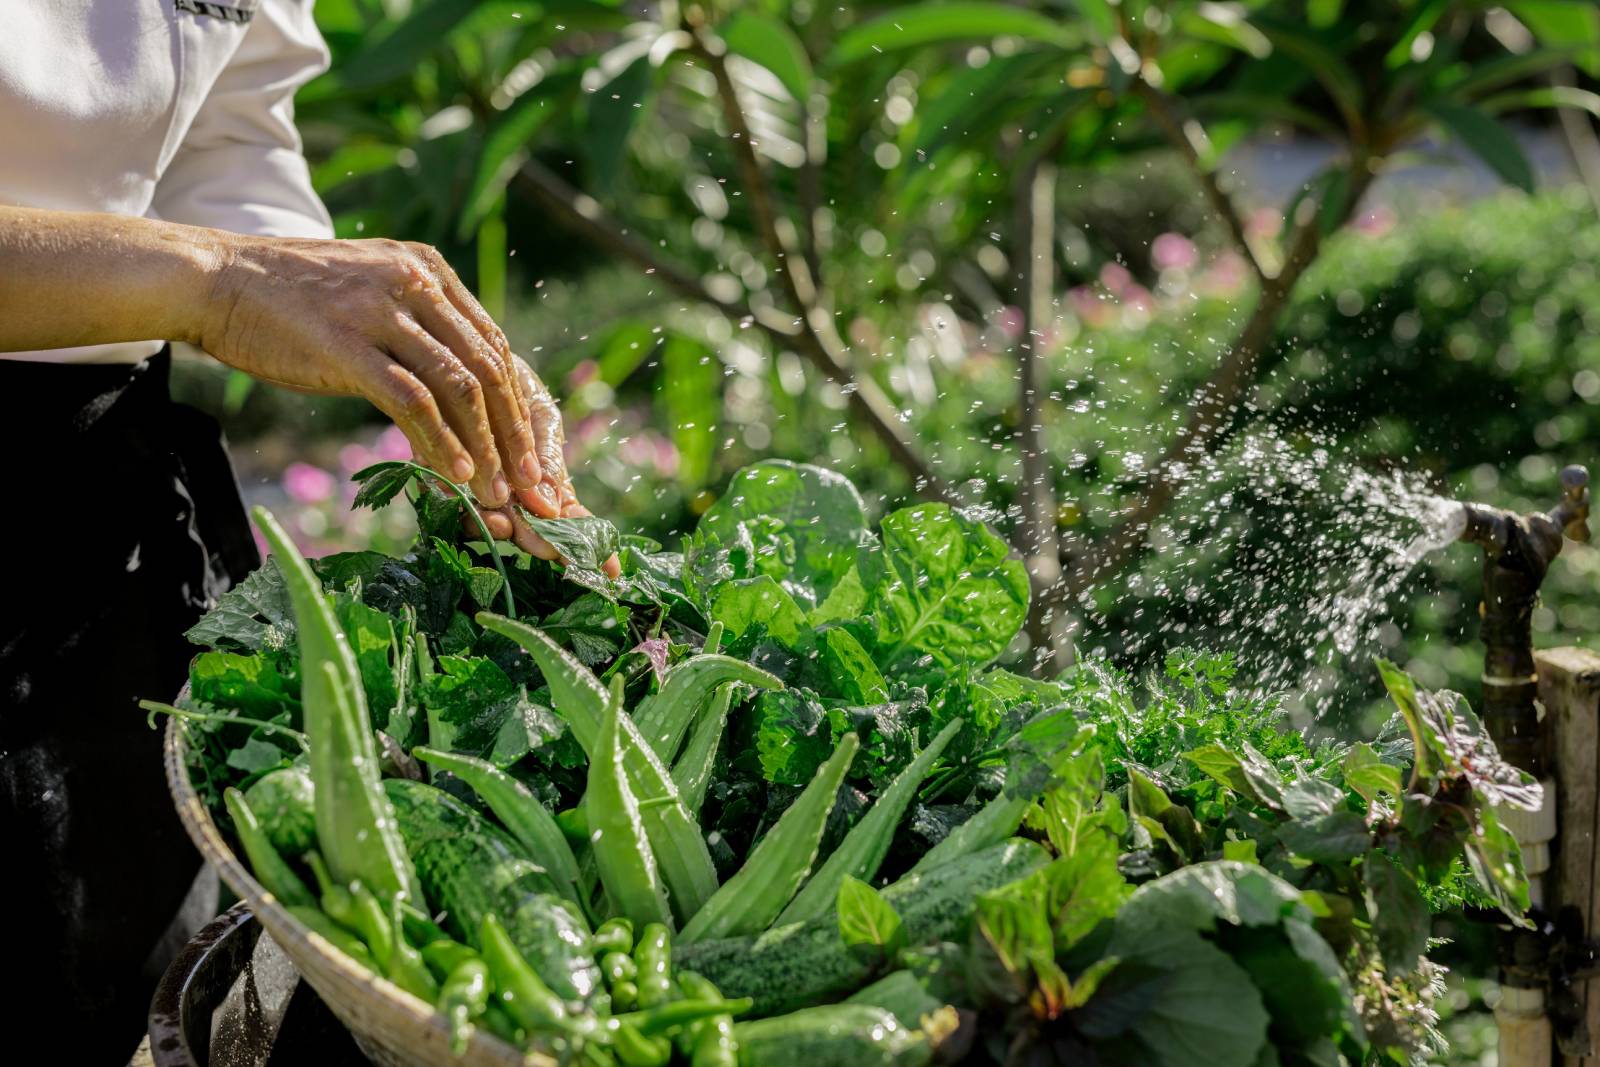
(379, 319)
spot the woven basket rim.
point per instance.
(375, 996)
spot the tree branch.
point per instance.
(1211, 409)
(819, 339)
(1164, 112)
(583, 215)
(1033, 236)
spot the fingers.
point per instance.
(530, 542)
(544, 418)
(404, 397)
(461, 397)
(459, 322)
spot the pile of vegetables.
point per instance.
(770, 801)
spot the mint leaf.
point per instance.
(946, 589)
(594, 627)
(793, 735)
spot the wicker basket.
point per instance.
(392, 1027)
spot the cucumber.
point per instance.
(471, 868)
(283, 802)
(838, 1035)
(903, 995)
(808, 963)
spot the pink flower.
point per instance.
(1377, 222)
(1173, 251)
(1115, 277)
(1226, 275)
(1009, 319)
(354, 457)
(307, 484)
(583, 373)
(392, 444)
(666, 457)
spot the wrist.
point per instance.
(202, 291)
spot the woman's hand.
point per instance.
(391, 322)
(553, 497)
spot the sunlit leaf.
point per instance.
(1488, 140)
(772, 44)
(942, 23)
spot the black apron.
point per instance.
(123, 524)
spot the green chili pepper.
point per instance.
(621, 849)
(574, 826)
(421, 929)
(618, 967)
(406, 968)
(749, 901)
(665, 716)
(372, 924)
(337, 936)
(516, 808)
(445, 955)
(636, 1050)
(712, 1043)
(356, 828)
(692, 771)
(624, 996)
(531, 1004)
(863, 848)
(680, 1013)
(464, 998)
(270, 869)
(501, 1025)
(613, 935)
(653, 955)
(337, 900)
(680, 849)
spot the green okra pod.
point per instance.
(680, 849)
(749, 901)
(653, 957)
(518, 810)
(270, 869)
(464, 998)
(356, 830)
(692, 771)
(863, 848)
(993, 824)
(618, 842)
(665, 716)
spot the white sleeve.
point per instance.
(240, 167)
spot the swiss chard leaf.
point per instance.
(253, 615)
(806, 525)
(945, 589)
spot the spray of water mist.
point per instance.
(1292, 553)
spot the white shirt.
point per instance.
(174, 109)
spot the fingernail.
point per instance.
(548, 495)
(462, 469)
(530, 468)
(499, 487)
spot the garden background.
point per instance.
(1005, 252)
